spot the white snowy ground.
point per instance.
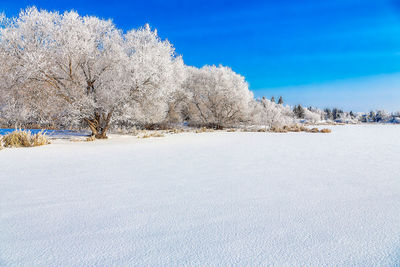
(210, 199)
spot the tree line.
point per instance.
(69, 71)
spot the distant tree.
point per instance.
(381, 116)
(336, 113)
(273, 99)
(298, 112)
(312, 115)
(328, 114)
(340, 113)
(280, 101)
(271, 114)
(364, 118)
(372, 116)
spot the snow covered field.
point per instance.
(218, 199)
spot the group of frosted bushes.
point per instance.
(335, 115)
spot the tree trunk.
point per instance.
(99, 124)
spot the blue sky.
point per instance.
(343, 53)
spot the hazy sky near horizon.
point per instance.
(337, 53)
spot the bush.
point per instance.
(90, 138)
(325, 130)
(21, 138)
(294, 128)
(155, 134)
(17, 138)
(39, 139)
(277, 130)
(204, 130)
(176, 131)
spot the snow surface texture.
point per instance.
(210, 199)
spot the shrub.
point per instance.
(326, 130)
(204, 130)
(175, 131)
(21, 138)
(91, 138)
(303, 129)
(156, 134)
(278, 130)
(17, 138)
(293, 128)
(39, 139)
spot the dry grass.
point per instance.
(231, 130)
(157, 135)
(175, 131)
(325, 130)
(294, 128)
(278, 130)
(21, 138)
(90, 138)
(17, 138)
(254, 130)
(148, 135)
(297, 128)
(39, 139)
(204, 130)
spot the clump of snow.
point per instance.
(216, 198)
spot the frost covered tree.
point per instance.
(280, 101)
(382, 116)
(73, 58)
(218, 96)
(90, 70)
(178, 100)
(155, 76)
(268, 113)
(313, 115)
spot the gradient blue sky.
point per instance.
(337, 53)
